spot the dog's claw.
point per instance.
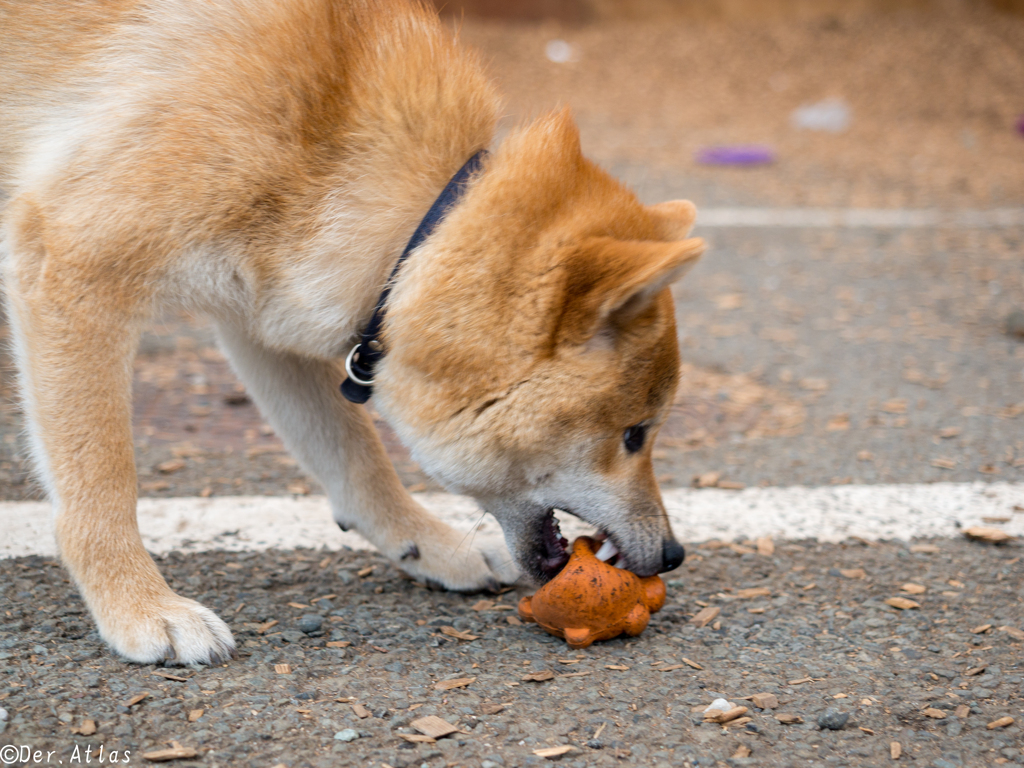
(412, 552)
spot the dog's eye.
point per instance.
(634, 437)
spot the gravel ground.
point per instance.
(818, 636)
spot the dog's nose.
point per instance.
(672, 554)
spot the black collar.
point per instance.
(359, 365)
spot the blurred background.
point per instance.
(919, 100)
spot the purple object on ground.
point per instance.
(736, 154)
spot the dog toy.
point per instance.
(590, 600)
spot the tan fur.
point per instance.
(265, 163)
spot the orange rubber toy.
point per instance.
(590, 600)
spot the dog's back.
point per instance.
(200, 100)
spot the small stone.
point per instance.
(293, 636)
(3, 714)
(833, 719)
(346, 735)
(311, 622)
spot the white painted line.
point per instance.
(827, 514)
(877, 218)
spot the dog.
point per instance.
(265, 163)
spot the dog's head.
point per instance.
(532, 351)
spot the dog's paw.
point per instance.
(173, 630)
(458, 561)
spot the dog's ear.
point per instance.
(674, 219)
(612, 282)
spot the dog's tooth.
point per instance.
(607, 551)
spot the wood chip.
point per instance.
(1002, 722)
(742, 751)
(996, 519)
(765, 700)
(706, 616)
(924, 549)
(338, 643)
(731, 485)
(897, 405)
(620, 667)
(283, 669)
(483, 605)
(264, 627)
(838, 423)
(135, 699)
(765, 546)
(364, 572)
(168, 467)
(935, 714)
(801, 681)
(87, 728)
(707, 480)
(1016, 634)
(195, 714)
(169, 676)
(360, 711)
(691, 663)
(581, 673)
(418, 738)
(868, 731)
(513, 621)
(716, 716)
(538, 677)
(458, 634)
(492, 709)
(895, 750)
(914, 589)
(854, 573)
(943, 463)
(671, 667)
(785, 719)
(987, 534)
(747, 594)
(962, 711)
(177, 752)
(981, 628)
(554, 751)
(433, 726)
(814, 385)
(974, 672)
(300, 606)
(902, 603)
(447, 685)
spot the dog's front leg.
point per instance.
(75, 340)
(336, 441)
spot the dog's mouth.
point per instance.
(555, 548)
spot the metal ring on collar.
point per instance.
(348, 369)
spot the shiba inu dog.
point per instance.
(265, 163)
